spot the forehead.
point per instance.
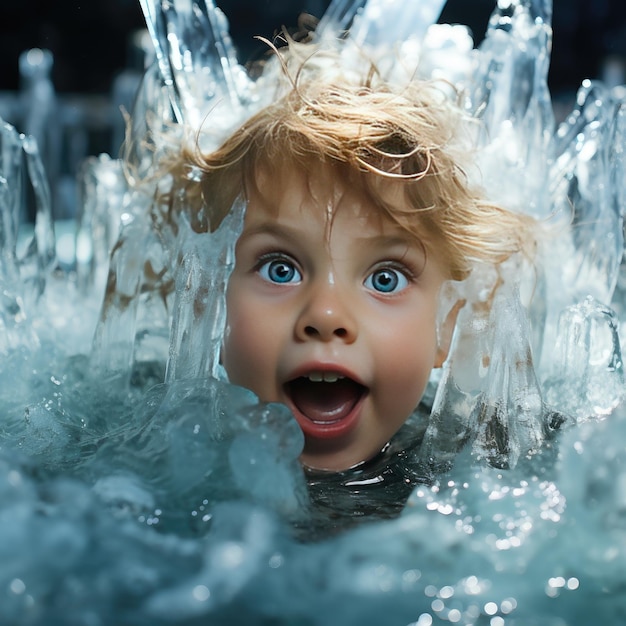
(318, 188)
(333, 202)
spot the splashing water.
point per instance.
(138, 487)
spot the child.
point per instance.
(358, 212)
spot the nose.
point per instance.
(326, 316)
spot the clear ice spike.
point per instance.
(195, 57)
(387, 33)
(199, 308)
(510, 414)
(373, 23)
(589, 162)
(40, 256)
(103, 194)
(509, 93)
(25, 261)
(114, 339)
(11, 206)
(489, 397)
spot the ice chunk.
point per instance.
(588, 373)
(198, 442)
(447, 54)
(39, 112)
(152, 119)
(510, 414)
(264, 457)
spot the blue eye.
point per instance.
(386, 280)
(279, 271)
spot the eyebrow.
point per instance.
(406, 241)
(395, 241)
(270, 228)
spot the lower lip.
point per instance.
(329, 430)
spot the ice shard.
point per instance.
(196, 58)
(374, 23)
(204, 266)
(588, 372)
(114, 340)
(39, 258)
(509, 415)
(103, 196)
(509, 94)
(25, 261)
(489, 397)
(386, 33)
(11, 193)
(589, 161)
(39, 111)
(151, 121)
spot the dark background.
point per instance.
(90, 38)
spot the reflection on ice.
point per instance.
(136, 487)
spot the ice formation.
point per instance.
(138, 487)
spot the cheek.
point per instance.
(407, 363)
(243, 342)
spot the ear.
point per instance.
(445, 332)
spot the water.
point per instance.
(138, 487)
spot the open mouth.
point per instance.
(326, 401)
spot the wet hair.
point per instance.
(403, 147)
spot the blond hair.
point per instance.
(378, 137)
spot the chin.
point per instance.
(334, 461)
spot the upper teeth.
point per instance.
(327, 377)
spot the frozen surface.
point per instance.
(138, 487)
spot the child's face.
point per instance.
(331, 311)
